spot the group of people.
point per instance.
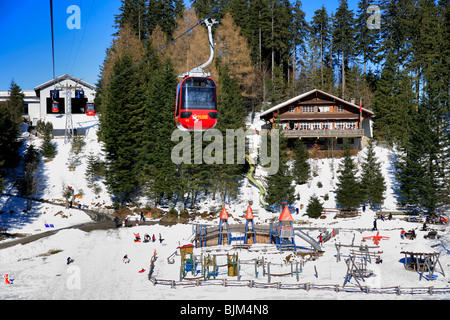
(127, 223)
(412, 233)
(137, 238)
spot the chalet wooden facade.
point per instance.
(318, 117)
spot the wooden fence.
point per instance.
(398, 290)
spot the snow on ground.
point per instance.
(40, 271)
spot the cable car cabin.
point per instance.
(90, 109)
(196, 104)
(55, 106)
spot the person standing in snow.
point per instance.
(374, 225)
(153, 238)
(160, 238)
(320, 239)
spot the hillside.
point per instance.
(40, 271)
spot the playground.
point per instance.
(283, 256)
(347, 266)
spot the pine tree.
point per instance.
(9, 143)
(372, 182)
(48, 149)
(280, 185)
(15, 103)
(300, 31)
(301, 169)
(159, 169)
(204, 8)
(133, 13)
(314, 208)
(409, 165)
(121, 126)
(348, 192)
(94, 168)
(321, 37)
(10, 119)
(28, 183)
(163, 13)
(344, 40)
(367, 39)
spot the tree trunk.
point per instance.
(321, 57)
(343, 75)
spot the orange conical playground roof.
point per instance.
(286, 215)
(223, 214)
(249, 214)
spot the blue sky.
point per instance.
(25, 38)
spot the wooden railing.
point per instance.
(324, 133)
(398, 290)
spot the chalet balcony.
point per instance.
(324, 133)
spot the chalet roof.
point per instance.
(315, 92)
(249, 213)
(286, 215)
(62, 78)
(223, 214)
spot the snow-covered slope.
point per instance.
(40, 271)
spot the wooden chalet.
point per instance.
(318, 117)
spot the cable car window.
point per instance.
(198, 93)
(90, 107)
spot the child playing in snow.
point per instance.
(126, 259)
(403, 233)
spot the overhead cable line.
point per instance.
(53, 41)
(82, 36)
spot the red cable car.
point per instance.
(89, 109)
(55, 106)
(196, 104)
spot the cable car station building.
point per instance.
(38, 103)
(317, 117)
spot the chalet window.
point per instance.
(340, 108)
(25, 109)
(327, 125)
(351, 125)
(324, 109)
(308, 108)
(304, 126)
(316, 126)
(340, 125)
(291, 109)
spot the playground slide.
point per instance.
(308, 239)
(250, 177)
